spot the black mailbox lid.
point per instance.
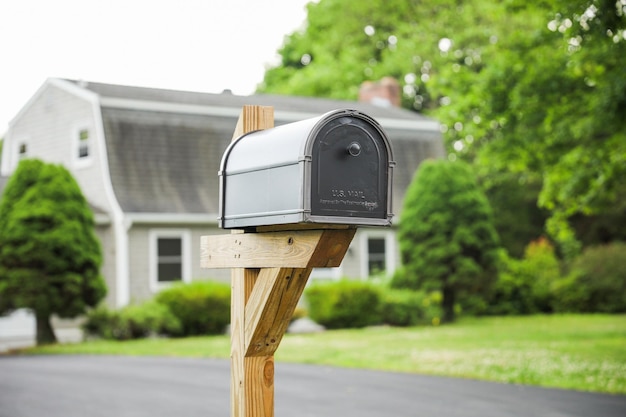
(335, 168)
(351, 169)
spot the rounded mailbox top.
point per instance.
(335, 168)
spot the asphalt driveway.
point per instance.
(94, 386)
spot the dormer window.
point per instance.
(83, 143)
(22, 151)
(82, 146)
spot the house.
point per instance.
(147, 161)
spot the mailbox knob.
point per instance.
(354, 149)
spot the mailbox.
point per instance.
(333, 169)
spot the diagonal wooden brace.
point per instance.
(270, 308)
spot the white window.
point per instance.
(22, 151)
(18, 150)
(82, 146)
(379, 257)
(376, 255)
(83, 143)
(170, 255)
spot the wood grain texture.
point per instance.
(259, 390)
(289, 249)
(272, 303)
(242, 284)
(252, 383)
(254, 118)
(331, 248)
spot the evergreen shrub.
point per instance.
(525, 286)
(344, 304)
(403, 307)
(202, 307)
(448, 241)
(132, 322)
(50, 256)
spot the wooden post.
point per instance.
(251, 378)
(270, 269)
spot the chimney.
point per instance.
(383, 93)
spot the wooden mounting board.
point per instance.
(289, 249)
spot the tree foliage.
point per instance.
(447, 238)
(522, 88)
(49, 255)
(596, 282)
(554, 105)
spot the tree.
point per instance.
(552, 103)
(520, 87)
(49, 255)
(517, 218)
(446, 233)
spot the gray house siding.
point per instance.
(142, 281)
(105, 235)
(46, 124)
(139, 267)
(49, 126)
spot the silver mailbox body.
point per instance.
(332, 169)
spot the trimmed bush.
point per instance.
(344, 304)
(596, 282)
(202, 307)
(410, 308)
(132, 322)
(98, 322)
(149, 318)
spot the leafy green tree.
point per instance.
(49, 255)
(520, 87)
(595, 283)
(525, 286)
(446, 233)
(553, 104)
(518, 219)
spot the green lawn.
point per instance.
(582, 352)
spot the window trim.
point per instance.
(22, 155)
(77, 142)
(390, 251)
(13, 151)
(153, 258)
(376, 257)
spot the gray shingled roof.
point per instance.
(280, 102)
(166, 161)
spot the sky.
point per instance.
(195, 45)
